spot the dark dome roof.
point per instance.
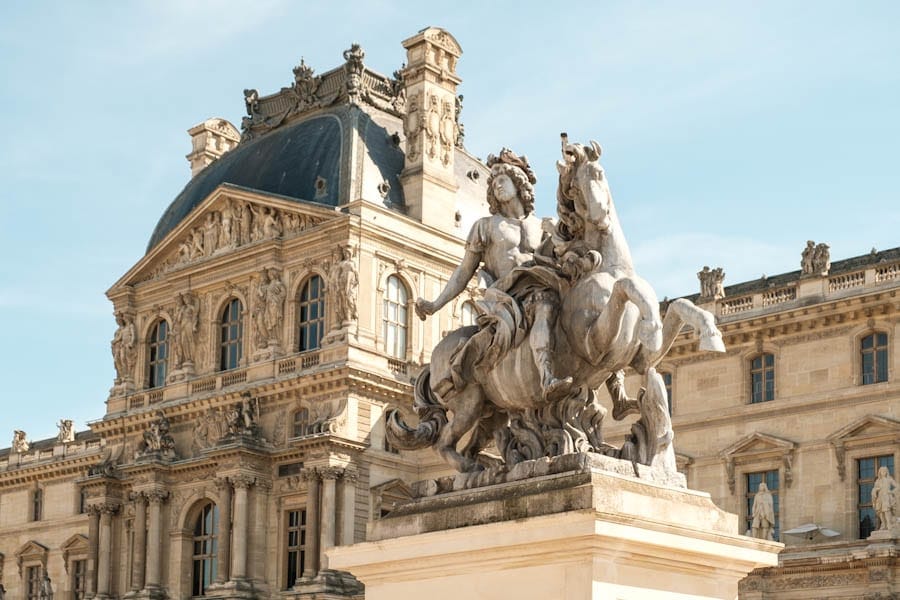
(287, 161)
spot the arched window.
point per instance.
(762, 378)
(874, 353)
(205, 549)
(312, 314)
(395, 318)
(158, 355)
(467, 314)
(232, 334)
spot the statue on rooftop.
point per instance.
(66, 431)
(563, 313)
(20, 443)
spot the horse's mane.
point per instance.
(571, 224)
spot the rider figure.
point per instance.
(499, 243)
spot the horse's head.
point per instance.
(583, 193)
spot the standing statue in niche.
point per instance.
(763, 513)
(564, 314)
(884, 499)
(187, 322)
(124, 349)
(270, 295)
(344, 281)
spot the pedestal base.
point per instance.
(148, 593)
(236, 589)
(576, 534)
(328, 585)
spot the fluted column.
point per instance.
(328, 511)
(348, 509)
(241, 523)
(93, 549)
(140, 541)
(224, 530)
(105, 549)
(154, 539)
(312, 522)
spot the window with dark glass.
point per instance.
(867, 472)
(762, 378)
(312, 314)
(771, 480)
(204, 550)
(301, 422)
(232, 335)
(874, 354)
(296, 546)
(82, 502)
(37, 504)
(34, 575)
(395, 318)
(158, 354)
(79, 579)
(667, 381)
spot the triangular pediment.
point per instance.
(31, 552)
(388, 495)
(230, 219)
(757, 445)
(76, 543)
(868, 428)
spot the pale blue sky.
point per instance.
(732, 133)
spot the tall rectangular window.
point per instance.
(770, 478)
(37, 504)
(867, 472)
(295, 546)
(79, 579)
(762, 378)
(667, 381)
(33, 575)
(874, 354)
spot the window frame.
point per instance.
(36, 505)
(231, 335)
(876, 351)
(766, 374)
(298, 550)
(207, 561)
(319, 322)
(396, 321)
(770, 476)
(158, 368)
(869, 483)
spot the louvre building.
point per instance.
(270, 324)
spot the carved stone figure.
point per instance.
(412, 124)
(815, 260)
(884, 499)
(19, 443)
(243, 417)
(187, 322)
(460, 129)
(211, 233)
(447, 131)
(124, 348)
(245, 223)
(66, 431)
(432, 127)
(226, 223)
(344, 282)
(251, 100)
(46, 591)
(209, 429)
(586, 314)
(156, 439)
(271, 294)
(763, 513)
(354, 70)
(711, 284)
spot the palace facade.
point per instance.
(270, 324)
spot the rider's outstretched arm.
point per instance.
(455, 285)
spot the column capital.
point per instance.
(109, 508)
(310, 474)
(157, 496)
(351, 476)
(93, 509)
(331, 472)
(222, 482)
(243, 481)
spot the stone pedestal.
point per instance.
(579, 526)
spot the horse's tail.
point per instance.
(432, 418)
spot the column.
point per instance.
(224, 531)
(329, 506)
(348, 510)
(312, 522)
(105, 549)
(242, 485)
(154, 539)
(93, 549)
(140, 541)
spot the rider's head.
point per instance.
(519, 172)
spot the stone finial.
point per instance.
(711, 284)
(815, 260)
(214, 137)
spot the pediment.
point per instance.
(870, 428)
(388, 495)
(758, 445)
(31, 552)
(76, 543)
(229, 220)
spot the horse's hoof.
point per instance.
(712, 342)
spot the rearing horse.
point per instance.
(608, 320)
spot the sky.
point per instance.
(732, 132)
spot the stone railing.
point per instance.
(288, 365)
(57, 451)
(310, 359)
(398, 367)
(846, 281)
(887, 273)
(777, 296)
(736, 305)
(233, 378)
(203, 385)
